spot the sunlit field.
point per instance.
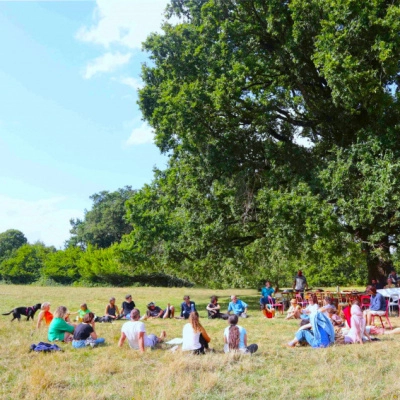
(369, 371)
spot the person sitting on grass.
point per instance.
(187, 307)
(357, 331)
(312, 307)
(59, 328)
(214, 309)
(85, 334)
(135, 332)
(235, 337)
(321, 333)
(377, 304)
(334, 317)
(195, 337)
(83, 310)
(45, 315)
(127, 306)
(238, 307)
(294, 310)
(154, 311)
(111, 312)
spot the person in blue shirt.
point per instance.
(238, 307)
(266, 293)
(187, 307)
(377, 304)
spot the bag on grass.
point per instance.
(46, 347)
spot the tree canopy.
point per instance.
(234, 91)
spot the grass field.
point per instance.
(370, 371)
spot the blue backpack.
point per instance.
(46, 347)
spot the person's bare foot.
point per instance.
(163, 336)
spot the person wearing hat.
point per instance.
(154, 311)
(294, 310)
(127, 306)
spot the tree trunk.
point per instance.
(378, 268)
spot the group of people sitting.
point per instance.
(195, 338)
(322, 326)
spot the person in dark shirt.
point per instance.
(154, 311)
(214, 309)
(84, 333)
(127, 306)
(187, 307)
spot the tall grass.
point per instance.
(370, 371)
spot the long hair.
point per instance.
(61, 312)
(234, 334)
(194, 321)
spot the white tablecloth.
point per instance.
(389, 292)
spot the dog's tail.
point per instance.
(8, 313)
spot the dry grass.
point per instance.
(370, 371)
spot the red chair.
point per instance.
(386, 315)
(365, 301)
(275, 305)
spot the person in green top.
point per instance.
(59, 329)
(81, 312)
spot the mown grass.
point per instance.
(370, 371)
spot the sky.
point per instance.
(69, 122)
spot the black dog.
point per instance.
(29, 312)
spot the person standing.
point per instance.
(300, 282)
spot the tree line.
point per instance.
(281, 122)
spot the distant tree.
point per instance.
(62, 266)
(10, 241)
(25, 265)
(105, 223)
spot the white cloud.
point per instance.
(43, 220)
(106, 63)
(131, 82)
(124, 22)
(142, 135)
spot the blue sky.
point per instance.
(69, 122)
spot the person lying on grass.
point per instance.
(195, 337)
(321, 333)
(135, 331)
(85, 334)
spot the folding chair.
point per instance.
(275, 305)
(365, 301)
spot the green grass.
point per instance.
(370, 371)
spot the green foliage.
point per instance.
(105, 223)
(230, 89)
(24, 266)
(62, 266)
(10, 241)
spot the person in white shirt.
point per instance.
(195, 337)
(135, 332)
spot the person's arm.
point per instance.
(244, 306)
(40, 317)
(294, 284)
(205, 335)
(182, 309)
(306, 286)
(106, 312)
(141, 342)
(121, 339)
(245, 340)
(230, 308)
(306, 326)
(93, 334)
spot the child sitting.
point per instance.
(294, 310)
(81, 312)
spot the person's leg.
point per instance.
(78, 344)
(162, 336)
(100, 340)
(368, 316)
